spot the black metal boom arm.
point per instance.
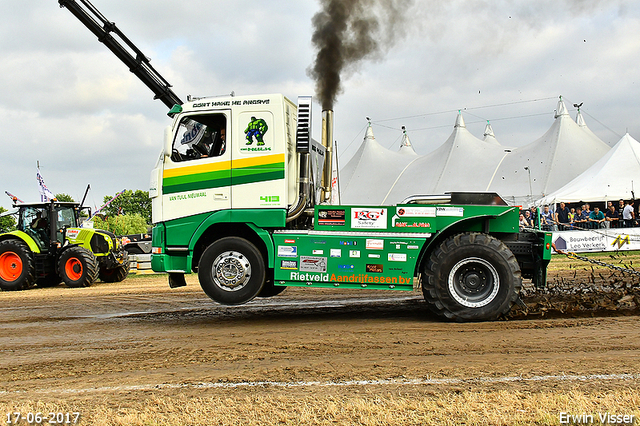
(137, 62)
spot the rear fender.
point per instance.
(480, 223)
(24, 237)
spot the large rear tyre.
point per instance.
(471, 277)
(78, 267)
(231, 271)
(17, 270)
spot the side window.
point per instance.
(200, 136)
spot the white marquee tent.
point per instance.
(373, 168)
(531, 172)
(611, 178)
(462, 163)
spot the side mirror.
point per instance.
(168, 141)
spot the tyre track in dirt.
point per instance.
(142, 334)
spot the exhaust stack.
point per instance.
(327, 142)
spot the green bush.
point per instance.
(125, 224)
(7, 223)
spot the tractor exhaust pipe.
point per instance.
(327, 142)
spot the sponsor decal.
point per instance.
(354, 253)
(313, 264)
(289, 241)
(287, 251)
(369, 279)
(345, 266)
(353, 278)
(413, 247)
(297, 276)
(319, 241)
(348, 243)
(411, 224)
(73, 233)
(397, 257)
(369, 218)
(331, 217)
(266, 200)
(288, 264)
(374, 256)
(375, 244)
(375, 268)
(450, 211)
(318, 251)
(255, 132)
(620, 241)
(191, 195)
(416, 211)
(336, 253)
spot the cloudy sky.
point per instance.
(68, 103)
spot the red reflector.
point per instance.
(548, 246)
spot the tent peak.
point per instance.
(562, 109)
(459, 120)
(488, 130)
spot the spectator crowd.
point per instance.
(580, 216)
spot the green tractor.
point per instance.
(49, 246)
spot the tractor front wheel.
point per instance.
(78, 267)
(17, 270)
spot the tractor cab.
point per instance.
(46, 223)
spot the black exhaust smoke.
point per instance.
(348, 31)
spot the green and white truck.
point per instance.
(241, 194)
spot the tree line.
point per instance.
(129, 213)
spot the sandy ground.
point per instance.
(132, 340)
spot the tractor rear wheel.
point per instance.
(17, 269)
(471, 277)
(78, 267)
(231, 271)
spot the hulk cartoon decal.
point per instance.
(257, 128)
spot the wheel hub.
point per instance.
(10, 266)
(474, 282)
(231, 271)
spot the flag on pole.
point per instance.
(45, 194)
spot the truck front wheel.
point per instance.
(231, 271)
(78, 267)
(471, 277)
(17, 270)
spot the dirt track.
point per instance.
(126, 341)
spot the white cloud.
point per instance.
(66, 101)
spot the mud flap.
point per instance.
(176, 280)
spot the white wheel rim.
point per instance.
(231, 271)
(474, 282)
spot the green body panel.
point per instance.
(26, 238)
(350, 246)
(82, 237)
(548, 239)
(182, 234)
(346, 260)
(417, 218)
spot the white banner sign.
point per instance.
(613, 239)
